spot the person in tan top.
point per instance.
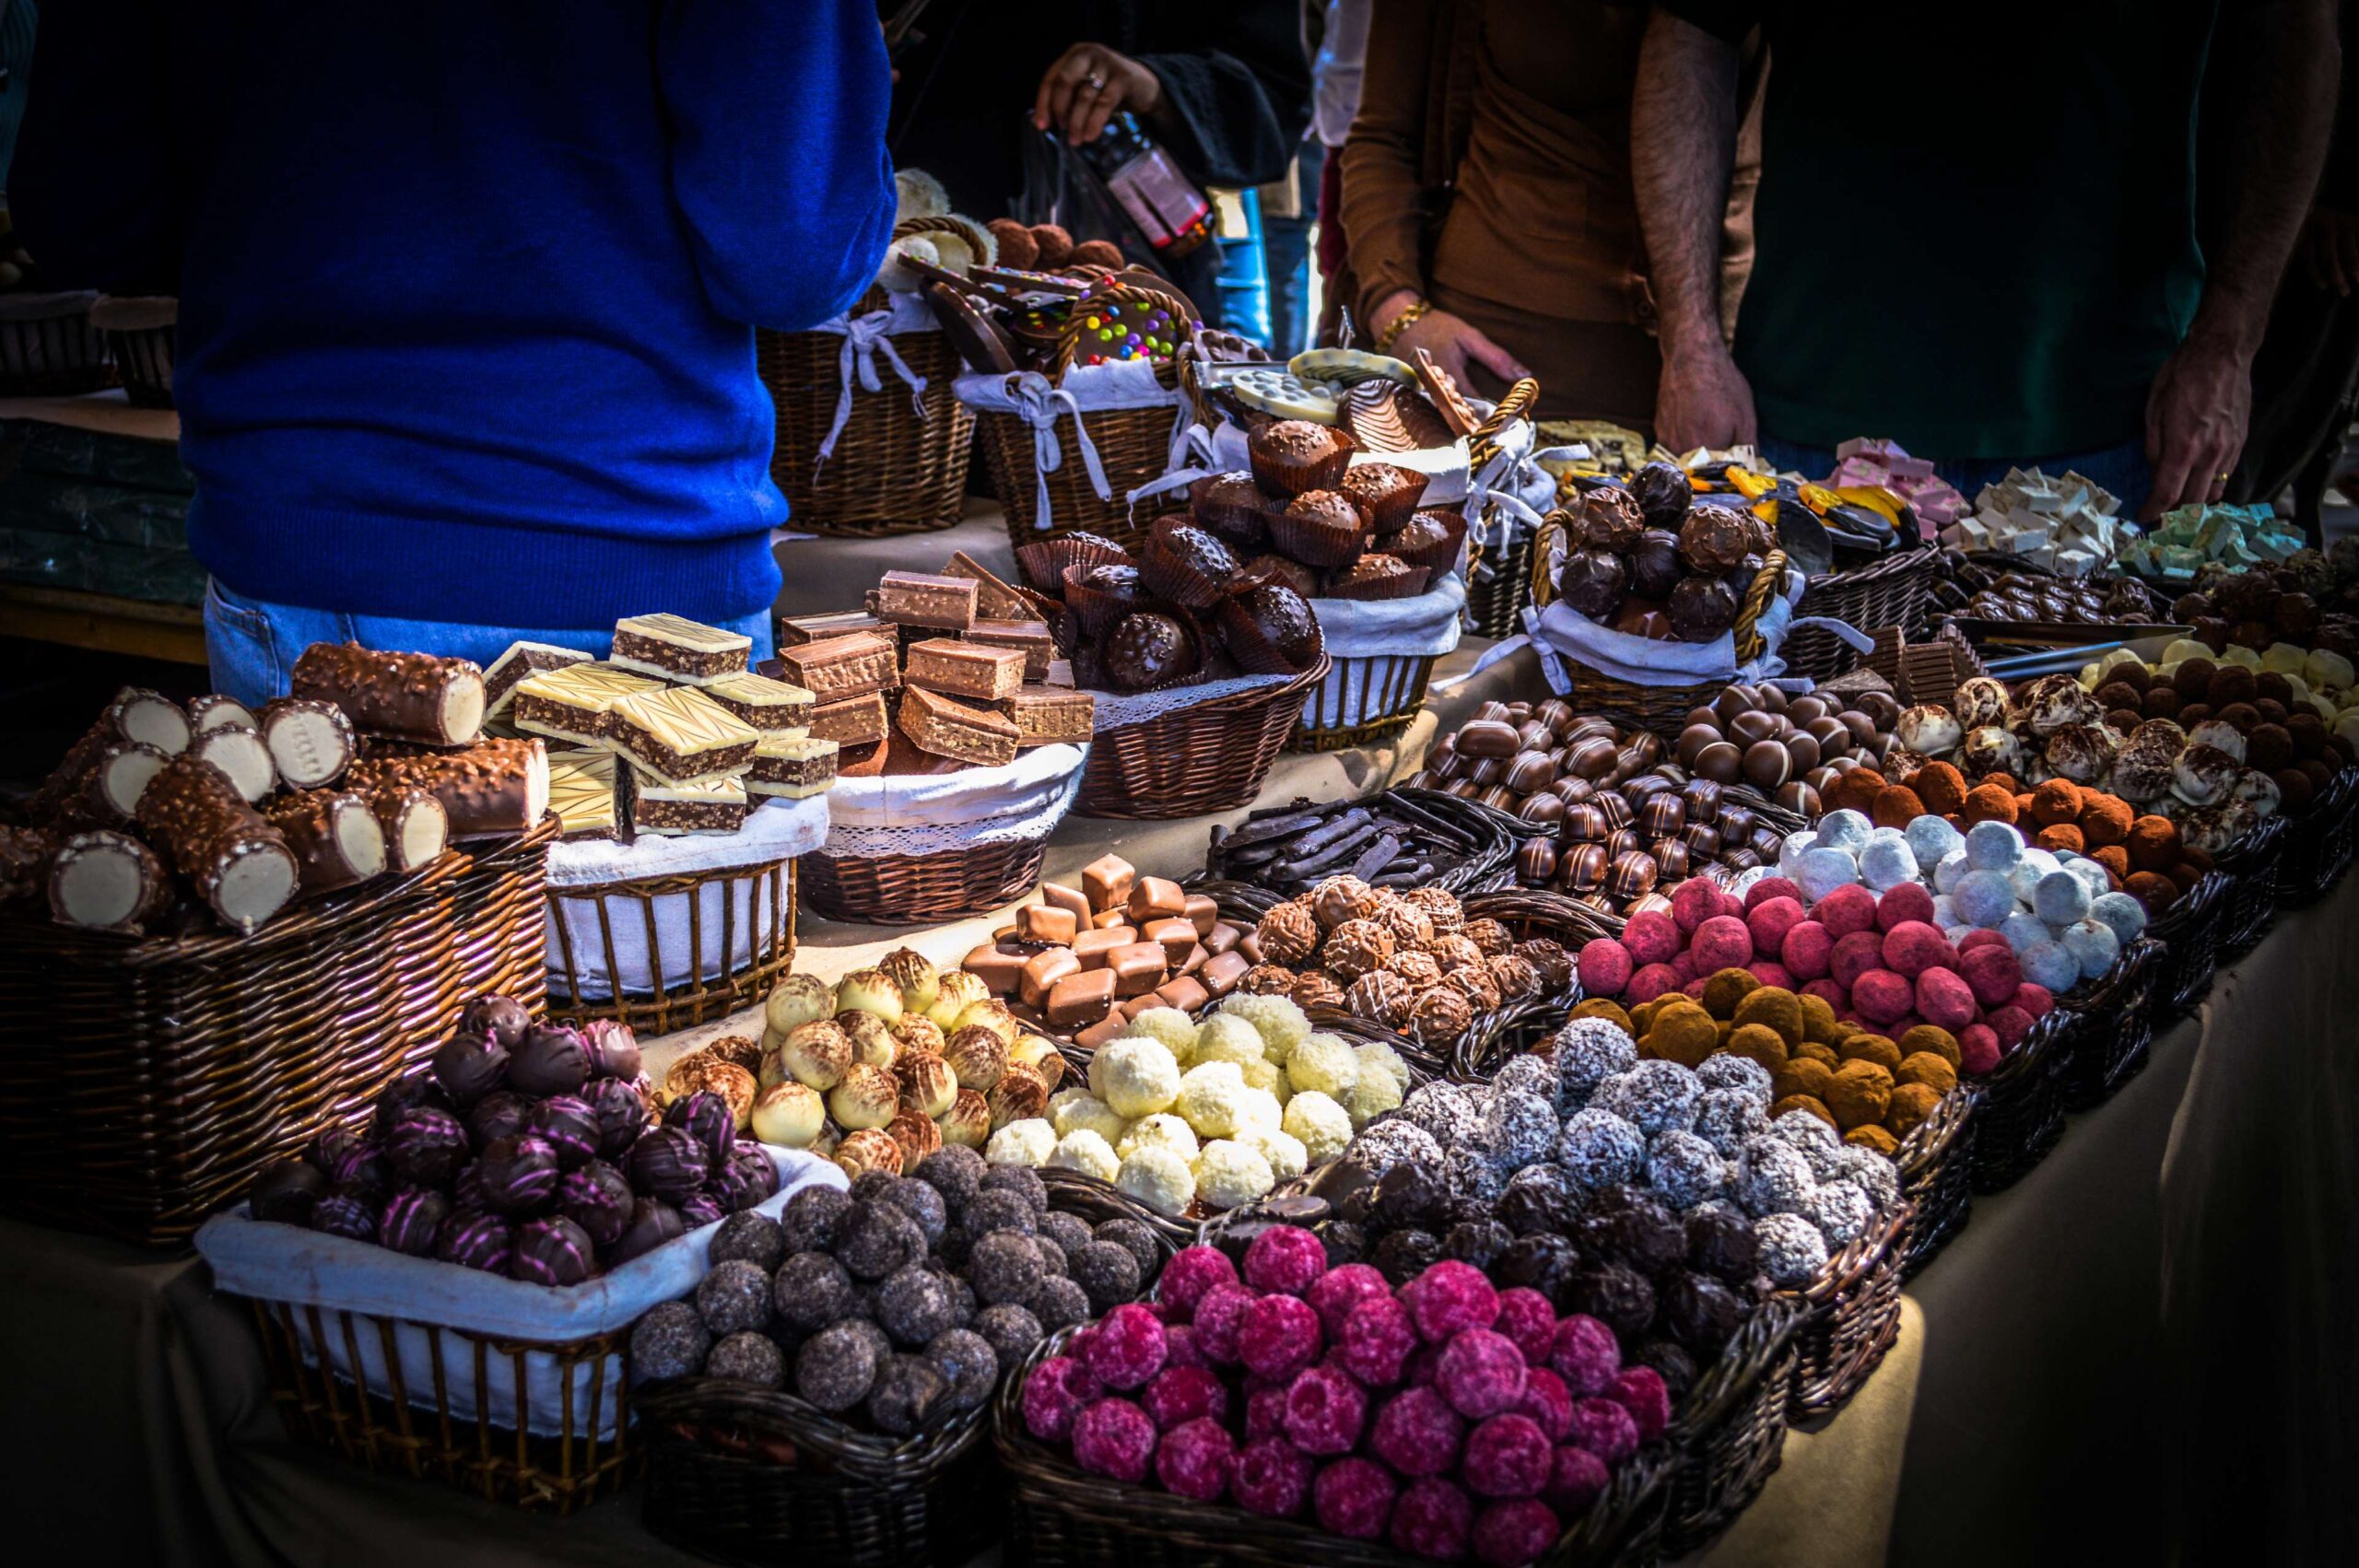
(1487, 204)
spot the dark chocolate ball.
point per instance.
(877, 1239)
(1478, 1242)
(1344, 1242)
(1412, 1196)
(836, 1368)
(1699, 1311)
(550, 1059)
(1701, 608)
(597, 1198)
(1146, 650)
(569, 1125)
(348, 1214)
(1649, 1236)
(613, 1050)
(474, 1241)
(1609, 518)
(417, 1089)
(285, 1192)
(501, 1114)
(1654, 564)
(652, 1223)
(551, 1252)
(1536, 1208)
(501, 1017)
(621, 1111)
(669, 1163)
(757, 1238)
(468, 1067)
(1671, 1363)
(907, 1394)
(1664, 494)
(1615, 1295)
(1720, 1243)
(519, 1173)
(1544, 1263)
(1592, 581)
(1403, 1255)
(700, 1209)
(705, 1116)
(969, 1365)
(413, 1218)
(813, 1219)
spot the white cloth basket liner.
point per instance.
(929, 814)
(275, 1264)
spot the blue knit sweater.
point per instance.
(465, 284)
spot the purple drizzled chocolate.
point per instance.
(597, 1198)
(550, 1059)
(400, 1096)
(413, 1218)
(466, 1193)
(668, 1162)
(707, 1117)
(760, 1170)
(502, 1017)
(501, 1114)
(652, 1223)
(345, 1215)
(360, 1166)
(701, 1209)
(427, 1146)
(286, 1192)
(569, 1125)
(474, 1241)
(519, 1173)
(551, 1252)
(613, 1050)
(621, 1111)
(468, 1067)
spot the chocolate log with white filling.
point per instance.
(105, 881)
(214, 711)
(311, 742)
(136, 715)
(244, 755)
(336, 839)
(407, 697)
(415, 826)
(237, 863)
(493, 787)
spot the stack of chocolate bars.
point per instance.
(943, 671)
(672, 735)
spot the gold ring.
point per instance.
(2223, 479)
(1096, 83)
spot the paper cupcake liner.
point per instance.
(1096, 609)
(1316, 545)
(1408, 585)
(1441, 556)
(1043, 561)
(1256, 654)
(1395, 512)
(1281, 479)
(1244, 528)
(1165, 576)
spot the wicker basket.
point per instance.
(2252, 867)
(1894, 591)
(1062, 1517)
(1097, 1201)
(1363, 701)
(1936, 1163)
(1528, 913)
(2114, 1038)
(1211, 756)
(148, 1081)
(2022, 1112)
(557, 1472)
(971, 876)
(1500, 587)
(900, 464)
(1494, 833)
(2319, 844)
(757, 908)
(139, 334)
(1731, 1429)
(2190, 933)
(1851, 1317)
(48, 347)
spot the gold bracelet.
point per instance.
(1408, 318)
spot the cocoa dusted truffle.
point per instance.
(907, 1393)
(812, 1290)
(748, 1357)
(914, 1303)
(735, 1296)
(550, 1059)
(969, 1366)
(1146, 650)
(1107, 1271)
(921, 1202)
(876, 1239)
(1010, 1329)
(1592, 582)
(836, 1368)
(551, 1252)
(956, 1172)
(670, 1342)
(757, 1238)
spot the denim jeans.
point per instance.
(252, 645)
(2123, 471)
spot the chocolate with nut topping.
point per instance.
(336, 839)
(407, 697)
(237, 863)
(493, 787)
(415, 826)
(105, 881)
(842, 666)
(311, 742)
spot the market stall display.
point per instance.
(2066, 524)
(2308, 601)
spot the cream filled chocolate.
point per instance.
(791, 766)
(575, 702)
(237, 863)
(678, 649)
(417, 828)
(711, 805)
(520, 663)
(770, 706)
(311, 742)
(338, 841)
(682, 735)
(407, 697)
(105, 881)
(493, 787)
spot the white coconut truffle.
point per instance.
(1135, 1077)
(1377, 1057)
(1320, 1124)
(1229, 1174)
(1259, 1108)
(1282, 1024)
(1162, 1131)
(1268, 1077)
(1286, 1154)
(1375, 1095)
(1325, 1063)
(1078, 1110)
(1087, 1153)
(1212, 1098)
(1158, 1178)
(1026, 1142)
(1225, 1036)
(1169, 1025)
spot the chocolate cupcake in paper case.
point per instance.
(1387, 495)
(1378, 576)
(1102, 595)
(1229, 507)
(1044, 561)
(1271, 630)
(1186, 564)
(1434, 540)
(1150, 650)
(1294, 456)
(1320, 528)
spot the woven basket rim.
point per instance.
(890, 1463)
(1231, 702)
(669, 883)
(1893, 563)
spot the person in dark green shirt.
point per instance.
(1977, 233)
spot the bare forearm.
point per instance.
(1682, 137)
(2282, 66)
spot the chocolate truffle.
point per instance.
(876, 1239)
(748, 1357)
(569, 1125)
(551, 1252)
(1712, 540)
(1271, 630)
(348, 1214)
(1320, 528)
(670, 1342)
(519, 1173)
(669, 1163)
(500, 1114)
(914, 1303)
(705, 1116)
(613, 1050)
(1701, 608)
(1228, 507)
(1376, 576)
(969, 1366)
(597, 1198)
(835, 1368)
(1386, 495)
(468, 1067)
(286, 1191)
(1654, 564)
(1294, 455)
(1147, 650)
(621, 1111)
(550, 1059)
(1663, 495)
(427, 1146)
(1611, 519)
(502, 1018)
(907, 1393)
(652, 1223)
(474, 1241)
(1591, 581)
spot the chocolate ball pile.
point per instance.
(1973, 588)
(1438, 1413)
(527, 1149)
(899, 1301)
(2310, 600)
(1790, 748)
(1652, 559)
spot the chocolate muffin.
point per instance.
(1433, 540)
(1294, 456)
(1378, 576)
(1149, 650)
(1228, 507)
(1186, 564)
(1275, 568)
(1271, 630)
(1102, 595)
(1320, 528)
(1385, 495)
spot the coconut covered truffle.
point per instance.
(1229, 1174)
(1138, 1076)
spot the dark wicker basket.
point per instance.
(1936, 1164)
(2319, 842)
(1211, 756)
(1892, 591)
(899, 465)
(716, 985)
(559, 1472)
(148, 1080)
(2022, 1112)
(144, 359)
(1363, 701)
(1851, 1316)
(1731, 1429)
(2114, 1038)
(920, 890)
(58, 354)
(2252, 866)
(2189, 933)
(1494, 834)
(1501, 587)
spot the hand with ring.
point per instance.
(1089, 85)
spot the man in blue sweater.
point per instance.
(465, 290)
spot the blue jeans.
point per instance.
(252, 645)
(2121, 470)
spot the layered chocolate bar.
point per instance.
(678, 649)
(1029, 638)
(950, 728)
(916, 599)
(964, 669)
(682, 735)
(707, 805)
(771, 707)
(520, 663)
(793, 766)
(842, 666)
(851, 721)
(1044, 715)
(993, 597)
(795, 631)
(581, 792)
(575, 702)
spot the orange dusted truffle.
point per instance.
(2006, 781)
(1856, 791)
(1941, 786)
(1761, 1044)
(2057, 800)
(2114, 858)
(1819, 1022)
(2023, 806)
(1859, 1094)
(1927, 1069)
(1929, 1037)
(1805, 1102)
(1776, 1007)
(2153, 842)
(2105, 819)
(2183, 875)
(1609, 1010)
(1896, 805)
(1988, 803)
(1910, 1104)
(1802, 1076)
(1876, 1048)
(1726, 989)
(2060, 836)
(2200, 859)
(2154, 889)
(1874, 1138)
(1683, 1033)
(1817, 1051)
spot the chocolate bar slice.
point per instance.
(851, 721)
(239, 863)
(493, 787)
(793, 766)
(581, 792)
(947, 727)
(243, 756)
(711, 805)
(993, 597)
(678, 649)
(682, 735)
(842, 666)
(405, 697)
(520, 663)
(1031, 637)
(1059, 675)
(336, 839)
(105, 881)
(917, 599)
(771, 707)
(576, 702)
(416, 827)
(795, 631)
(214, 711)
(964, 669)
(1045, 715)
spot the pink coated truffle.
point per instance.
(1526, 1317)
(1548, 1402)
(1651, 982)
(1278, 1337)
(1770, 974)
(1908, 901)
(1265, 1413)
(1807, 951)
(1855, 954)
(1432, 1519)
(1379, 1334)
(1912, 947)
(1605, 967)
(1579, 1478)
(1720, 942)
(1448, 1298)
(1417, 1434)
(1695, 901)
(1509, 1533)
(1272, 1478)
(1641, 1392)
(1991, 973)
(1849, 909)
(1353, 1498)
(1113, 1438)
(1945, 999)
(1481, 1373)
(1425, 1362)
(1652, 937)
(1685, 967)
(1770, 920)
(1220, 1311)
(1832, 994)
(1605, 1429)
(1284, 1257)
(1981, 938)
(2034, 999)
(1882, 996)
(1180, 1347)
(1058, 1391)
(1182, 1394)
(1127, 1348)
(1770, 887)
(1325, 1411)
(1196, 1459)
(1334, 1293)
(1585, 1356)
(1977, 1048)
(1191, 1271)
(2008, 1025)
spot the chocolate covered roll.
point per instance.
(111, 790)
(409, 696)
(336, 839)
(311, 742)
(493, 787)
(214, 711)
(24, 861)
(244, 755)
(415, 826)
(136, 715)
(237, 861)
(106, 880)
